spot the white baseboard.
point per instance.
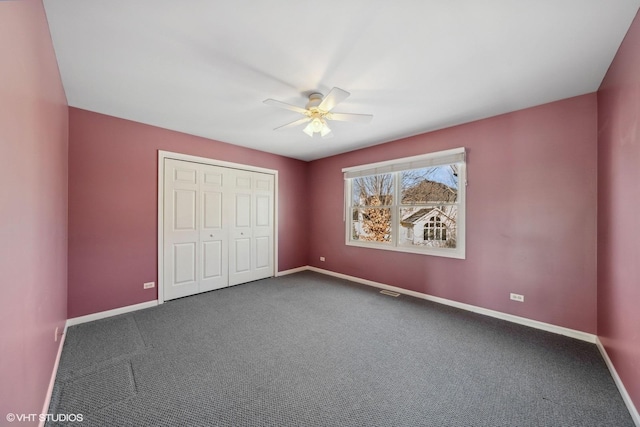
(293, 270)
(109, 313)
(52, 381)
(583, 336)
(621, 388)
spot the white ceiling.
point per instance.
(204, 67)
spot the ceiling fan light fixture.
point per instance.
(325, 130)
(317, 124)
(308, 129)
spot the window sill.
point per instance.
(458, 253)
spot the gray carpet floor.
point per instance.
(312, 350)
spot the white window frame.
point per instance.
(455, 155)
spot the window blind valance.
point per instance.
(447, 157)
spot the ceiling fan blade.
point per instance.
(294, 123)
(284, 105)
(348, 117)
(333, 98)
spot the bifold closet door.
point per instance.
(195, 240)
(218, 227)
(251, 229)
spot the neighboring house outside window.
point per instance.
(434, 229)
(414, 204)
(430, 224)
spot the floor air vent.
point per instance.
(390, 293)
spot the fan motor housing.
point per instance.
(314, 100)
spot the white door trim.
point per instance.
(204, 160)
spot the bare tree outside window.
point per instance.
(429, 185)
(373, 195)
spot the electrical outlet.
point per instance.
(322, 258)
(149, 285)
(517, 297)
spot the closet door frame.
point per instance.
(162, 155)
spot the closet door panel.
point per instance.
(213, 233)
(181, 236)
(240, 229)
(262, 226)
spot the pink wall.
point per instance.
(113, 206)
(619, 212)
(531, 216)
(33, 207)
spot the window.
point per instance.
(415, 204)
(435, 230)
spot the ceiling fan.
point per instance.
(318, 111)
